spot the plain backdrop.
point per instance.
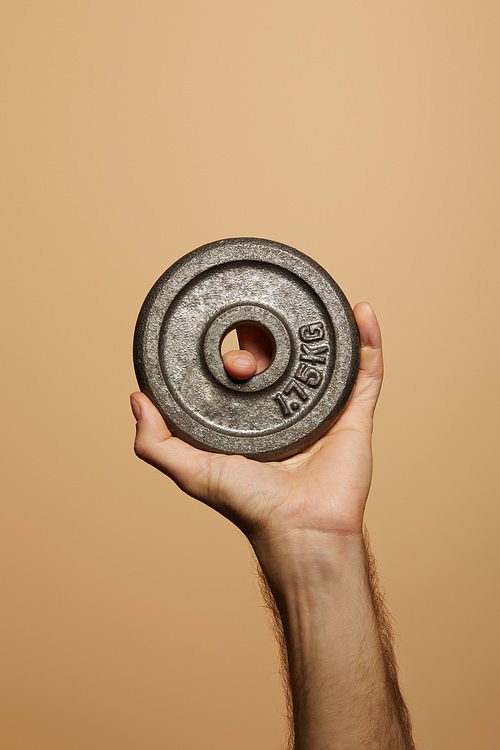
(367, 136)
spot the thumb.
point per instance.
(154, 443)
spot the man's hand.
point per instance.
(323, 488)
(304, 519)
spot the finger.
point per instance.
(371, 366)
(254, 355)
(240, 364)
(154, 443)
(258, 343)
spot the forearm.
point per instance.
(341, 668)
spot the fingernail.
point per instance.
(242, 360)
(135, 408)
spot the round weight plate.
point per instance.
(212, 290)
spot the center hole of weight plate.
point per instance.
(251, 337)
(255, 322)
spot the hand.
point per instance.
(324, 488)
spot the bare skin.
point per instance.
(304, 519)
(253, 356)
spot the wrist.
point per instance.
(301, 562)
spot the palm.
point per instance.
(322, 488)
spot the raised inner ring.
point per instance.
(244, 315)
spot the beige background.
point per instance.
(364, 134)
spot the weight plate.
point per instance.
(207, 293)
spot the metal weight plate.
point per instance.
(211, 291)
